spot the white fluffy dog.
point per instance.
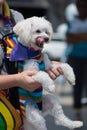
(32, 34)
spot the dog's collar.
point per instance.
(21, 52)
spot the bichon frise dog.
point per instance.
(32, 34)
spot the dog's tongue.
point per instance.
(40, 40)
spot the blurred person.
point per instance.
(71, 11)
(8, 90)
(77, 52)
(56, 11)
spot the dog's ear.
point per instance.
(50, 31)
(23, 31)
(50, 28)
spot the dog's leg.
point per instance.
(45, 80)
(66, 69)
(41, 77)
(67, 72)
(53, 108)
(35, 118)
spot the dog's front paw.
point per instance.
(47, 83)
(68, 73)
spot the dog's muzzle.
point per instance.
(40, 41)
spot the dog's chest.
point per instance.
(36, 96)
(36, 63)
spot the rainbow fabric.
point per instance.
(10, 42)
(9, 117)
(31, 97)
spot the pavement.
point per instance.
(69, 112)
(64, 93)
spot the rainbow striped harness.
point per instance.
(35, 97)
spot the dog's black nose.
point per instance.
(46, 39)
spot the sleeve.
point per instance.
(17, 15)
(1, 55)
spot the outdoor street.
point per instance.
(69, 112)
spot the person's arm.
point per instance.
(23, 80)
(76, 38)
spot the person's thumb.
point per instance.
(31, 73)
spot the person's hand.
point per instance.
(26, 81)
(54, 72)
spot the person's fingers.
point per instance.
(31, 85)
(55, 71)
(31, 73)
(51, 74)
(59, 69)
(56, 62)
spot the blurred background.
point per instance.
(57, 11)
(52, 9)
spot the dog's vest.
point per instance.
(35, 97)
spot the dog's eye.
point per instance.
(47, 33)
(38, 31)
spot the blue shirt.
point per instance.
(78, 49)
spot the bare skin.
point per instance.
(24, 80)
(55, 72)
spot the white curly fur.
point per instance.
(27, 31)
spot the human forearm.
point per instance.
(23, 80)
(8, 81)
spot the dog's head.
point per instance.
(34, 32)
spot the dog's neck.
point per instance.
(21, 52)
(33, 53)
(32, 49)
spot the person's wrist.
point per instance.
(17, 80)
